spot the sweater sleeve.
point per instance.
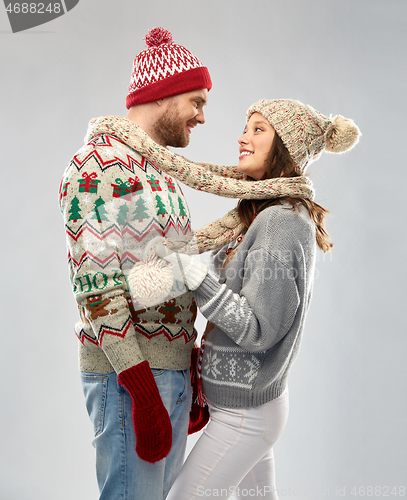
(262, 313)
(95, 248)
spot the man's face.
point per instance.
(179, 116)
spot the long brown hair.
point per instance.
(280, 164)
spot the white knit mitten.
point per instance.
(150, 280)
(184, 267)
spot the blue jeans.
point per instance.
(121, 474)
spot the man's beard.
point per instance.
(170, 129)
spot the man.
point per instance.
(134, 361)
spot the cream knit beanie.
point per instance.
(305, 132)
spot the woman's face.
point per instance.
(255, 146)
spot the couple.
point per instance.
(118, 193)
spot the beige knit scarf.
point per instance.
(219, 180)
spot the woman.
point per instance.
(257, 309)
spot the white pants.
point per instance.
(234, 455)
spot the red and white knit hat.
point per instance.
(164, 69)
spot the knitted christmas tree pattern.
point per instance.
(182, 212)
(75, 210)
(100, 210)
(171, 205)
(160, 206)
(122, 215)
(140, 213)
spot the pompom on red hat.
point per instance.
(164, 69)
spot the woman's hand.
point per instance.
(184, 267)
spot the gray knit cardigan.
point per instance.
(258, 308)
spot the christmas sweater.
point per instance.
(114, 202)
(258, 308)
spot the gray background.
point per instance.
(348, 410)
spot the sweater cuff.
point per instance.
(207, 290)
(123, 355)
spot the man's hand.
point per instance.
(152, 423)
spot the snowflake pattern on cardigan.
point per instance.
(222, 367)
